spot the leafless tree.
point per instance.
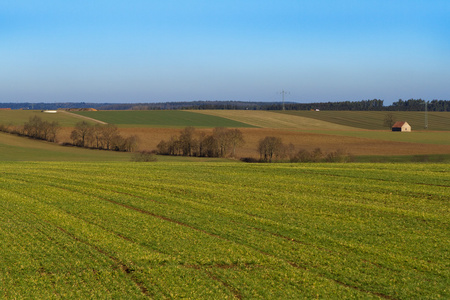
(389, 120)
(236, 139)
(269, 147)
(82, 134)
(187, 141)
(107, 135)
(222, 137)
(39, 129)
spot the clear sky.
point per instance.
(246, 50)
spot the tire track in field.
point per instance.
(303, 267)
(234, 291)
(375, 179)
(293, 264)
(85, 220)
(125, 268)
(84, 117)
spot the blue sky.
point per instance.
(173, 50)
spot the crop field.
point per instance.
(292, 127)
(19, 117)
(374, 119)
(164, 118)
(273, 119)
(224, 230)
(419, 137)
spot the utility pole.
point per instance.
(426, 114)
(282, 97)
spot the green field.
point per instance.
(374, 119)
(224, 230)
(161, 118)
(19, 117)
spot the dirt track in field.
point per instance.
(150, 137)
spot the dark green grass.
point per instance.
(165, 118)
(215, 231)
(375, 119)
(424, 158)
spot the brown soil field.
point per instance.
(150, 137)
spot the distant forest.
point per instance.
(364, 105)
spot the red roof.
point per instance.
(398, 124)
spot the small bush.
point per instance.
(337, 156)
(144, 156)
(420, 158)
(250, 160)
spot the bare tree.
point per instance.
(39, 129)
(107, 135)
(52, 129)
(222, 138)
(389, 120)
(97, 135)
(269, 147)
(82, 134)
(210, 147)
(131, 143)
(187, 141)
(236, 139)
(33, 128)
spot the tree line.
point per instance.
(35, 128)
(363, 105)
(272, 148)
(104, 137)
(221, 143)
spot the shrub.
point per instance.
(144, 156)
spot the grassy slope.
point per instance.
(169, 118)
(14, 148)
(128, 230)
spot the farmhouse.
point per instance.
(401, 126)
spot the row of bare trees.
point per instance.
(38, 129)
(221, 143)
(272, 148)
(99, 136)
(35, 128)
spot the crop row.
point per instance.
(224, 230)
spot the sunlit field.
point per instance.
(224, 230)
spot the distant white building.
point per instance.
(401, 126)
(50, 111)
